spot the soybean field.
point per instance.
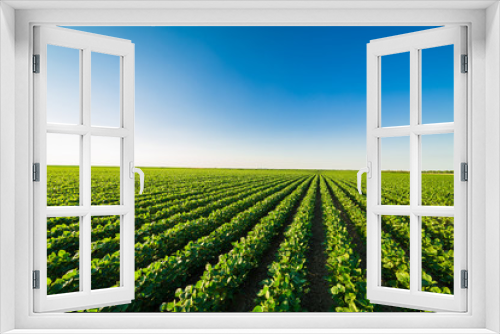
(239, 240)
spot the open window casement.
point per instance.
(58, 226)
(411, 242)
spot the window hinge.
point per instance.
(465, 279)
(36, 63)
(464, 171)
(465, 64)
(36, 172)
(36, 279)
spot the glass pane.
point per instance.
(105, 252)
(395, 167)
(105, 90)
(63, 262)
(437, 254)
(437, 84)
(63, 85)
(395, 252)
(105, 159)
(437, 170)
(63, 170)
(395, 89)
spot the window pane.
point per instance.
(63, 262)
(105, 90)
(395, 252)
(105, 157)
(437, 254)
(395, 89)
(395, 167)
(437, 84)
(437, 170)
(105, 252)
(63, 85)
(63, 170)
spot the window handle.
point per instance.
(134, 170)
(368, 171)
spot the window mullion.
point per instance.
(415, 255)
(85, 178)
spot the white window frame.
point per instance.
(86, 44)
(483, 101)
(414, 43)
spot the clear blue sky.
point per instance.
(258, 97)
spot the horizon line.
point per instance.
(264, 168)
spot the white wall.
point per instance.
(7, 190)
(492, 163)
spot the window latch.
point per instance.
(368, 171)
(134, 170)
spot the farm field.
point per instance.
(236, 240)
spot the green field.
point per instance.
(237, 240)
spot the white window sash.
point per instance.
(414, 297)
(86, 297)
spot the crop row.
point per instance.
(63, 185)
(220, 282)
(438, 228)
(436, 247)
(437, 262)
(347, 280)
(159, 281)
(158, 204)
(156, 227)
(395, 261)
(64, 236)
(178, 264)
(286, 284)
(145, 210)
(158, 246)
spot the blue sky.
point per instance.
(255, 97)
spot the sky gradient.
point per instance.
(256, 97)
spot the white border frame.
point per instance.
(7, 166)
(484, 43)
